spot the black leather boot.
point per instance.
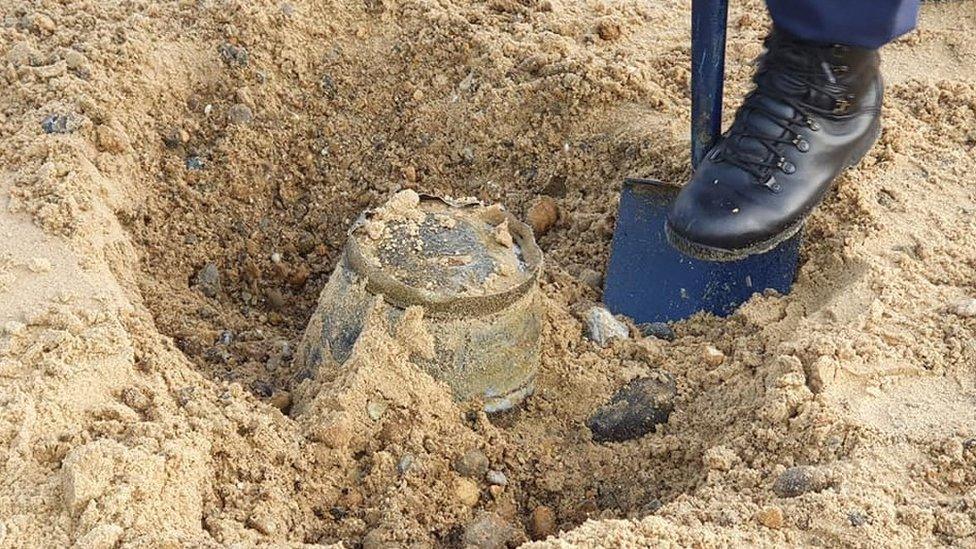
(815, 111)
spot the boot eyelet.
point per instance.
(772, 184)
(785, 165)
(812, 124)
(802, 145)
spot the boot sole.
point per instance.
(711, 253)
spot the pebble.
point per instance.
(635, 409)
(75, 59)
(497, 478)
(712, 356)
(375, 409)
(281, 400)
(58, 123)
(207, 280)
(591, 278)
(473, 464)
(542, 215)
(771, 517)
(405, 463)
(288, 9)
(797, 481)
(42, 23)
(262, 388)
(467, 491)
(488, 531)
(660, 330)
(542, 523)
(235, 56)
(240, 115)
(857, 518)
(608, 29)
(601, 326)
(12, 327)
(194, 163)
(174, 137)
(275, 299)
(965, 308)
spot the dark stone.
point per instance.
(194, 163)
(797, 481)
(207, 280)
(857, 518)
(635, 409)
(235, 56)
(262, 389)
(57, 123)
(660, 330)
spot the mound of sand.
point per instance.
(176, 182)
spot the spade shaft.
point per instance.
(708, 22)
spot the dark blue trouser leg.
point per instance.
(861, 23)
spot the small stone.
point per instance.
(771, 517)
(375, 409)
(207, 280)
(194, 163)
(405, 463)
(410, 173)
(496, 491)
(281, 400)
(797, 481)
(275, 299)
(234, 56)
(608, 29)
(174, 137)
(542, 523)
(75, 59)
(12, 327)
(473, 464)
(42, 24)
(542, 215)
(857, 518)
(660, 330)
(591, 278)
(58, 123)
(287, 9)
(497, 478)
(226, 337)
(240, 115)
(467, 154)
(135, 399)
(965, 308)
(635, 409)
(488, 531)
(712, 356)
(467, 491)
(262, 388)
(601, 326)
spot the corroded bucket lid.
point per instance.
(453, 258)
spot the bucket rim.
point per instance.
(402, 295)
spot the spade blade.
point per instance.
(650, 281)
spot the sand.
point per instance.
(164, 246)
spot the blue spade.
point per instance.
(647, 279)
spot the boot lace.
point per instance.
(799, 78)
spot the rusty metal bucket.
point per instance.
(472, 269)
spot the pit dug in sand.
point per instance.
(467, 272)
